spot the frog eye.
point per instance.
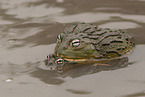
(48, 57)
(75, 43)
(59, 61)
(58, 38)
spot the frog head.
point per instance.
(74, 44)
(88, 43)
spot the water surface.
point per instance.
(28, 30)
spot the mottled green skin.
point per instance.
(95, 43)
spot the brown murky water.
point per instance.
(28, 30)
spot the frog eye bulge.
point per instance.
(48, 57)
(58, 38)
(59, 61)
(75, 43)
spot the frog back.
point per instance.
(112, 43)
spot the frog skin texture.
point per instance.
(83, 42)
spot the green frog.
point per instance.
(85, 43)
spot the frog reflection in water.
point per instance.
(85, 43)
(54, 63)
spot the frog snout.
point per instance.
(64, 48)
(61, 49)
(50, 63)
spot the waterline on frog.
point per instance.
(86, 61)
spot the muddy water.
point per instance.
(28, 30)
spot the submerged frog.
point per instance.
(85, 43)
(88, 43)
(56, 63)
(60, 65)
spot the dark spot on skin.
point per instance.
(85, 37)
(124, 48)
(98, 29)
(95, 27)
(105, 44)
(127, 39)
(118, 48)
(93, 38)
(107, 37)
(89, 34)
(74, 27)
(113, 52)
(81, 35)
(116, 41)
(101, 33)
(92, 32)
(87, 29)
(98, 49)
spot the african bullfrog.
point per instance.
(86, 43)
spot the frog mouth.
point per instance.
(86, 60)
(74, 59)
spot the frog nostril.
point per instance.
(50, 64)
(64, 47)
